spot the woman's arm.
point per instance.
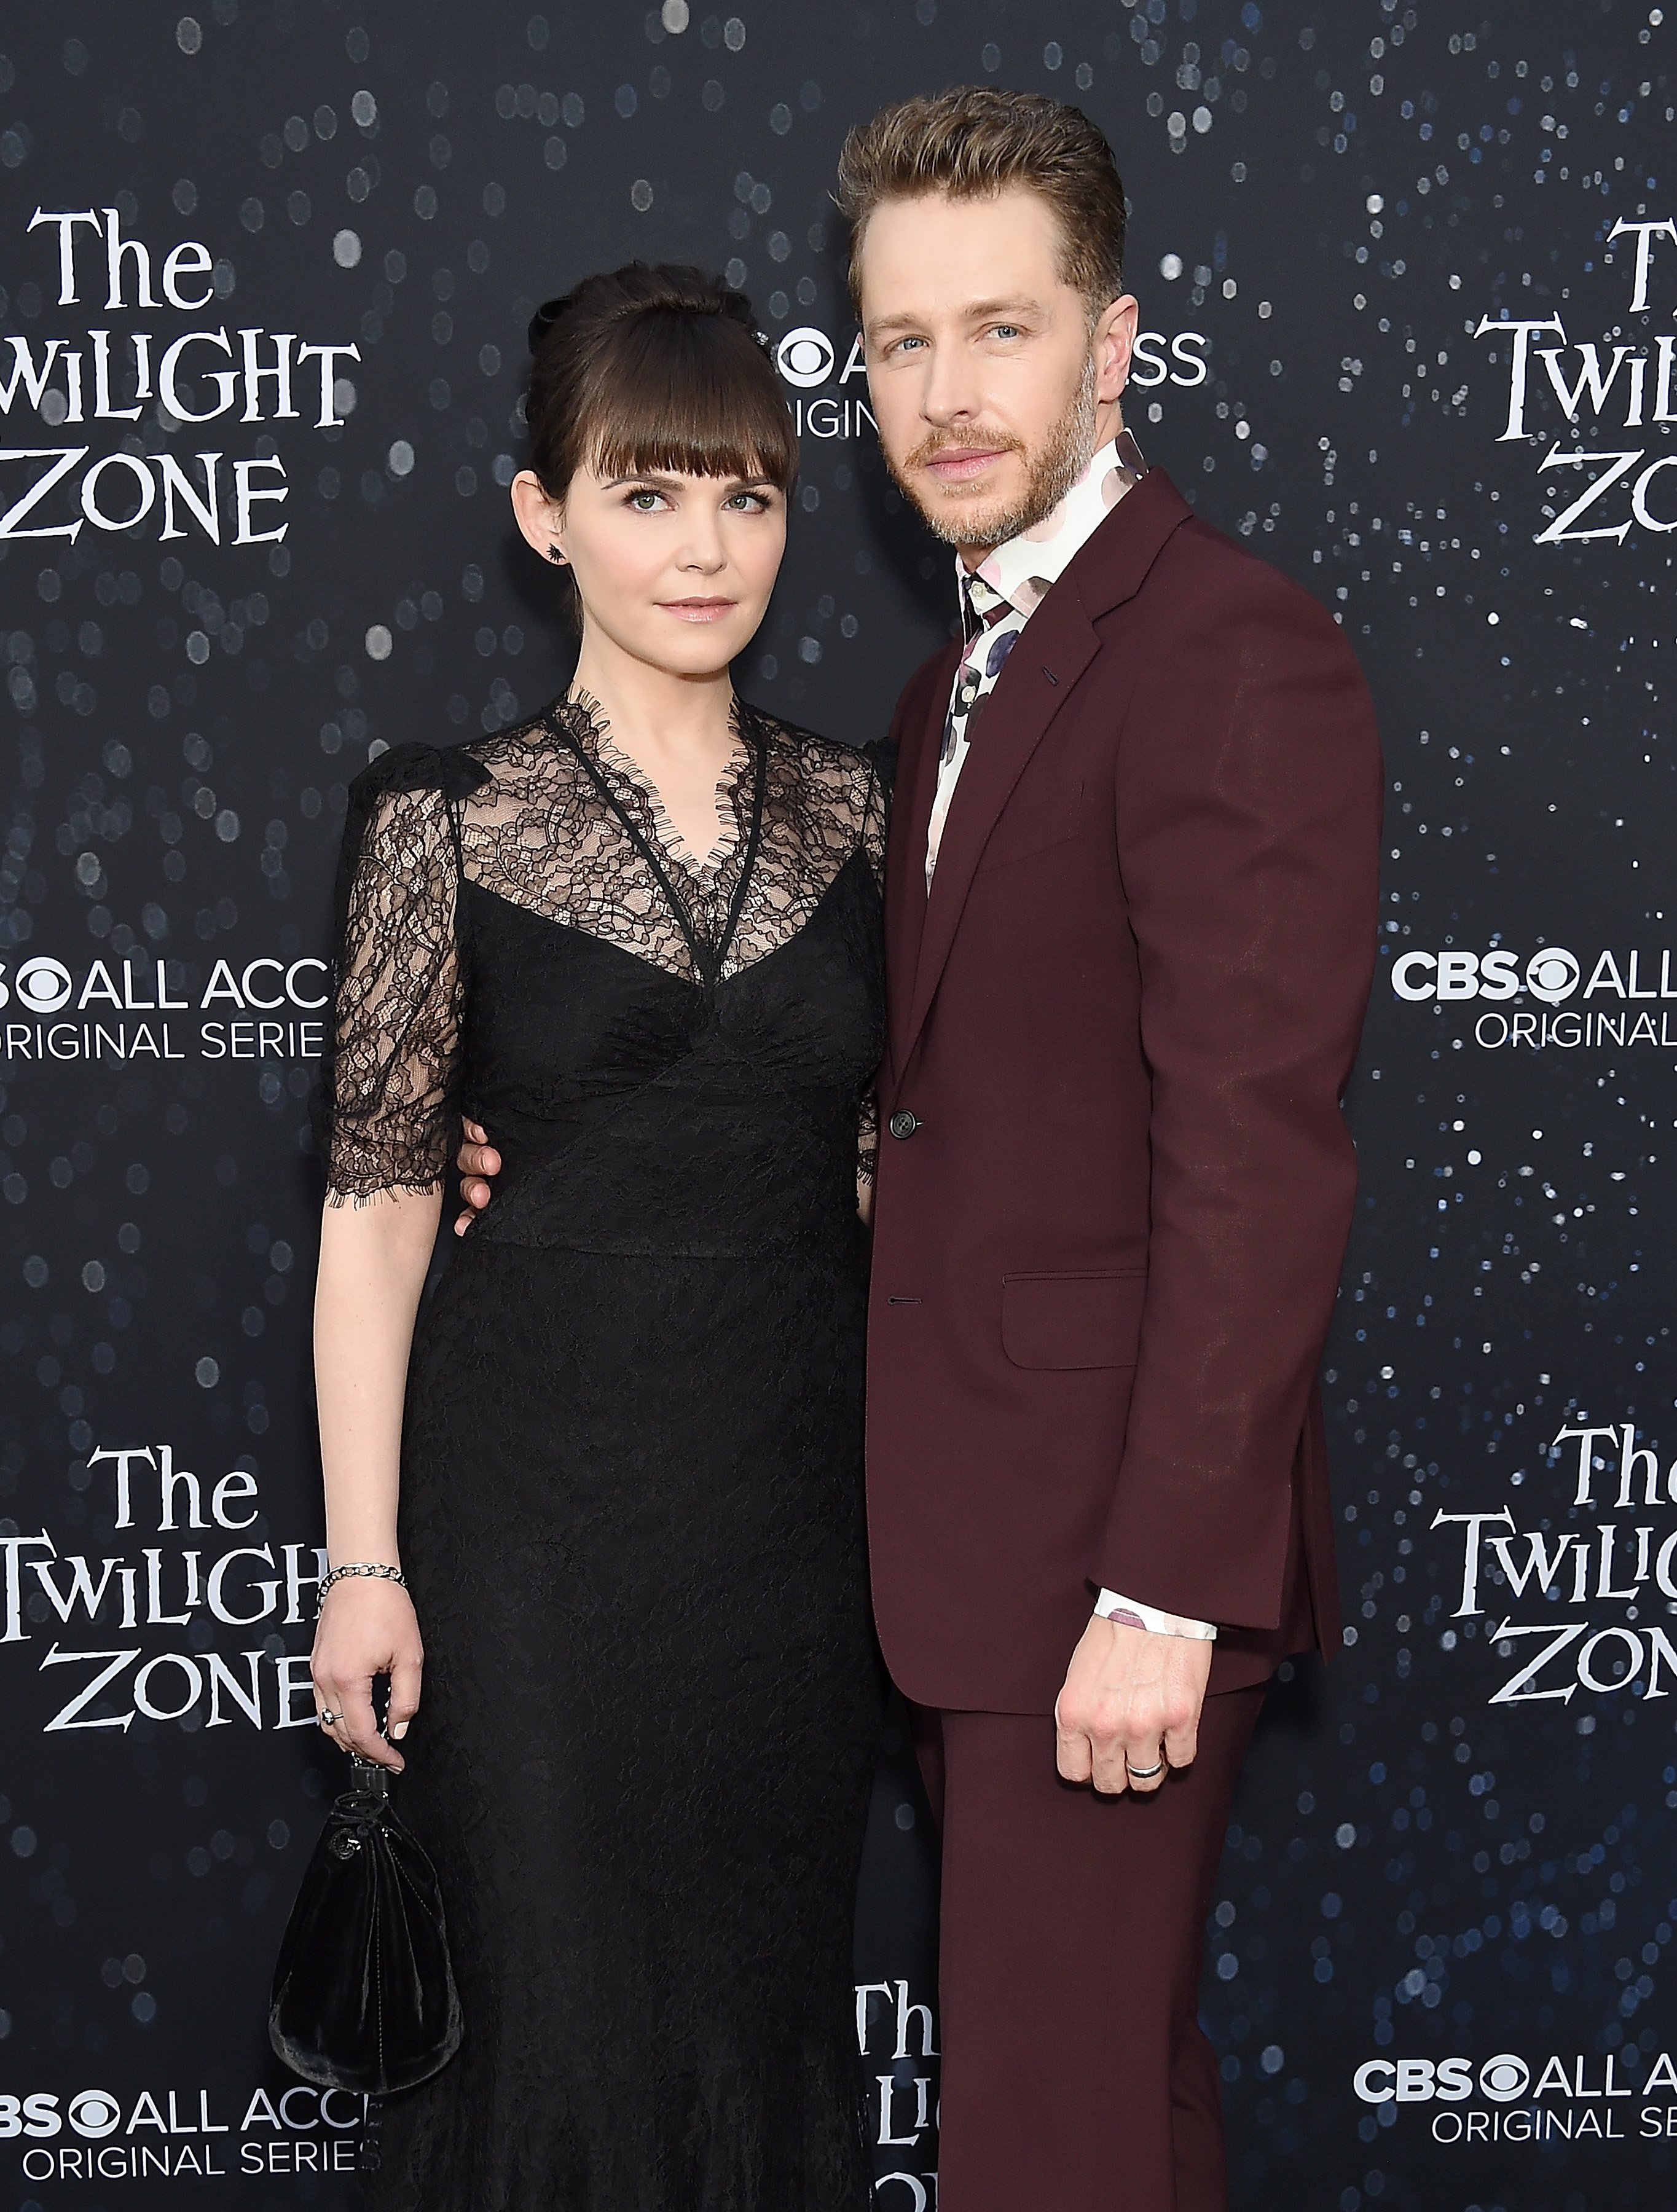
(388, 1113)
(372, 1262)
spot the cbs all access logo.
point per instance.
(808, 360)
(267, 1008)
(170, 2134)
(1509, 2098)
(1621, 998)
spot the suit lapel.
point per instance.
(1051, 653)
(1056, 646)
(905, 858)
(1053, 649)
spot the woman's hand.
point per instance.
(367, 1627)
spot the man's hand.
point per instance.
(476, 1160)
(1130, 1700)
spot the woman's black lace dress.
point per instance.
(631, 1478)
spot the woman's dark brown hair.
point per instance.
(654, 368)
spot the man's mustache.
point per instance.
(962, 441)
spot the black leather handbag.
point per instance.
(364, 1995)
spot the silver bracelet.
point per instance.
(339, 1574)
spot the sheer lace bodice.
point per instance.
(552, 819)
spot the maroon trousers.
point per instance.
(1075, 2075)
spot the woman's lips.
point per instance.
(698, 610)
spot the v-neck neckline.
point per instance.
(708, 959)
(704, 867)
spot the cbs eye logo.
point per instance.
(1505, 2078)
(94, 2113)
(1553, 974)
(41, 985)
(805, 357)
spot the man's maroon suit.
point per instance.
(1111, 1214)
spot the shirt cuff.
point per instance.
(1110, 1606)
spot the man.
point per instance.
(1130, 932)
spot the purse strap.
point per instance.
(369, 1790)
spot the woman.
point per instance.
(638, 939)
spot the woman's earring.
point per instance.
(556, 556)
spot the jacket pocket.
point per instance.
(1025, 831)
(1091, 1319)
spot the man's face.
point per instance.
(990, 388)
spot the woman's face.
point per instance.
(674, 570)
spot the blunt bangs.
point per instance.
(683, 395)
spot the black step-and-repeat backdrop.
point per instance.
(1409, 285)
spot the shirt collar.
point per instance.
(1021, 571)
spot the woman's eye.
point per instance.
(747, 503)
(645, 502)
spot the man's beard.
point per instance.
(1050, 472)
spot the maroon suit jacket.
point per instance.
(1107, 1248)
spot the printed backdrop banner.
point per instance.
(1408, 277)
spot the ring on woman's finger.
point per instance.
(329, 1720)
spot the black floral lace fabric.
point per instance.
(631, 1499)
(554, 818)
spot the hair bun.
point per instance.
(544, 319)
(645, 287)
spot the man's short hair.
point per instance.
(976, 142)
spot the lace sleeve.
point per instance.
(877, 816)
(868, 1141)
(875, 823)
(392, 1079)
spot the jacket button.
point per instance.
(902, 1123)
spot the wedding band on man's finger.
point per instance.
(1144, 1773)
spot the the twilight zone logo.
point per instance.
(1603, 408)
(136, 362)
(1587, 1571)
(187, 1572)
(824, 407)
